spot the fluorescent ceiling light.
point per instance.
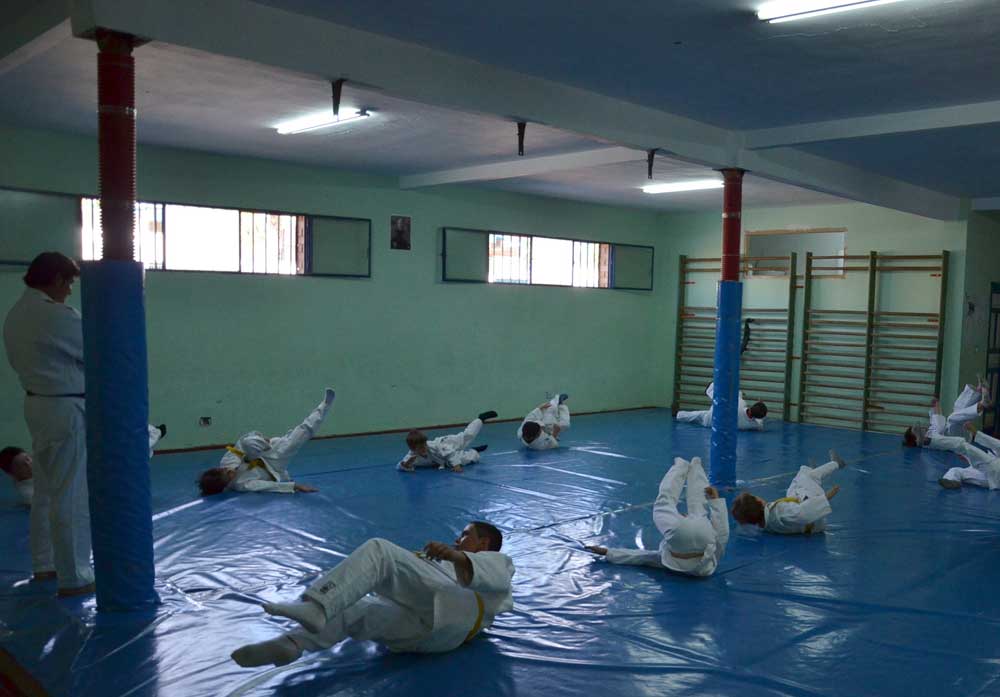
(313, 122)
(790, 10)
(694, 185)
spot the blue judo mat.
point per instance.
(898, 597)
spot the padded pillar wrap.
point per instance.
(725, 400)
(121, 522)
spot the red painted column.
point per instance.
(732, 208)
(116, 136)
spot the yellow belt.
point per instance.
(480, 609)
(479, 619)
(250, 465)
(792, 499)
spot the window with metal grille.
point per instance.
(205, 239)
(548, 261)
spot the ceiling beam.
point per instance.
(523, 167)
(35, 28)
(986, 204)
(311, 46)
(879, 125)
(808, 171)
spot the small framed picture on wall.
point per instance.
(399, 232)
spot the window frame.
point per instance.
(309, 247)
(611, 262)
(307, 265)
(747, 272)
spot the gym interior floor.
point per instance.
(897, 597)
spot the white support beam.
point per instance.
(809, 171)
(986, 204)
(31, 29)
(523, 167)
(311, 46)
(878, 125)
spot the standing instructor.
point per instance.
(44, 341)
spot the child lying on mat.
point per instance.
(444, 452)
(802, 511)
(984, 465)
(258, 463)
(967, 408)
(428, 602)
(692, 544)
(750, 418)
(542, 426)
(16, 464)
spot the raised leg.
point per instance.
(665, 513)
(381, 567)
(287, 445)
(696, 484)
(957, 476)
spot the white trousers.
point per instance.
(373, 618)
(967, 475)
(666, 515)
(154, 437)
(400, 616)
(60, 512)
(284, 448)
(702, 418)
(965, 409)
(809, 480)
(454, 448)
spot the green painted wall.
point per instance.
(402, 349)
(868, 228)
(982, 269)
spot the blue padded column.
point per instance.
(121, 523)
(725, 400)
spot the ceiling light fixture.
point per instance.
(790, 10)
(694, 185)
(313, 122)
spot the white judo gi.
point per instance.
(556, 415)
(708, 517)
(984, 465)
(804, 509)
(448, 451)
(704, 417)
(268, 468)
(44, 343)
(25, 491)
(398, 598)
(965, 409)
(154, 437)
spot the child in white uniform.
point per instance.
(692, 544)
(984, 465)
(749, 418)
(444, 452)
(16, 463)
(258, 463)
(541, 428)
(802, 511)
(967, 408)
(426, 602)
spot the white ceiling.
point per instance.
(891, 105)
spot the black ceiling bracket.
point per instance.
(521, 125)
(338, 89)
(650, 154)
